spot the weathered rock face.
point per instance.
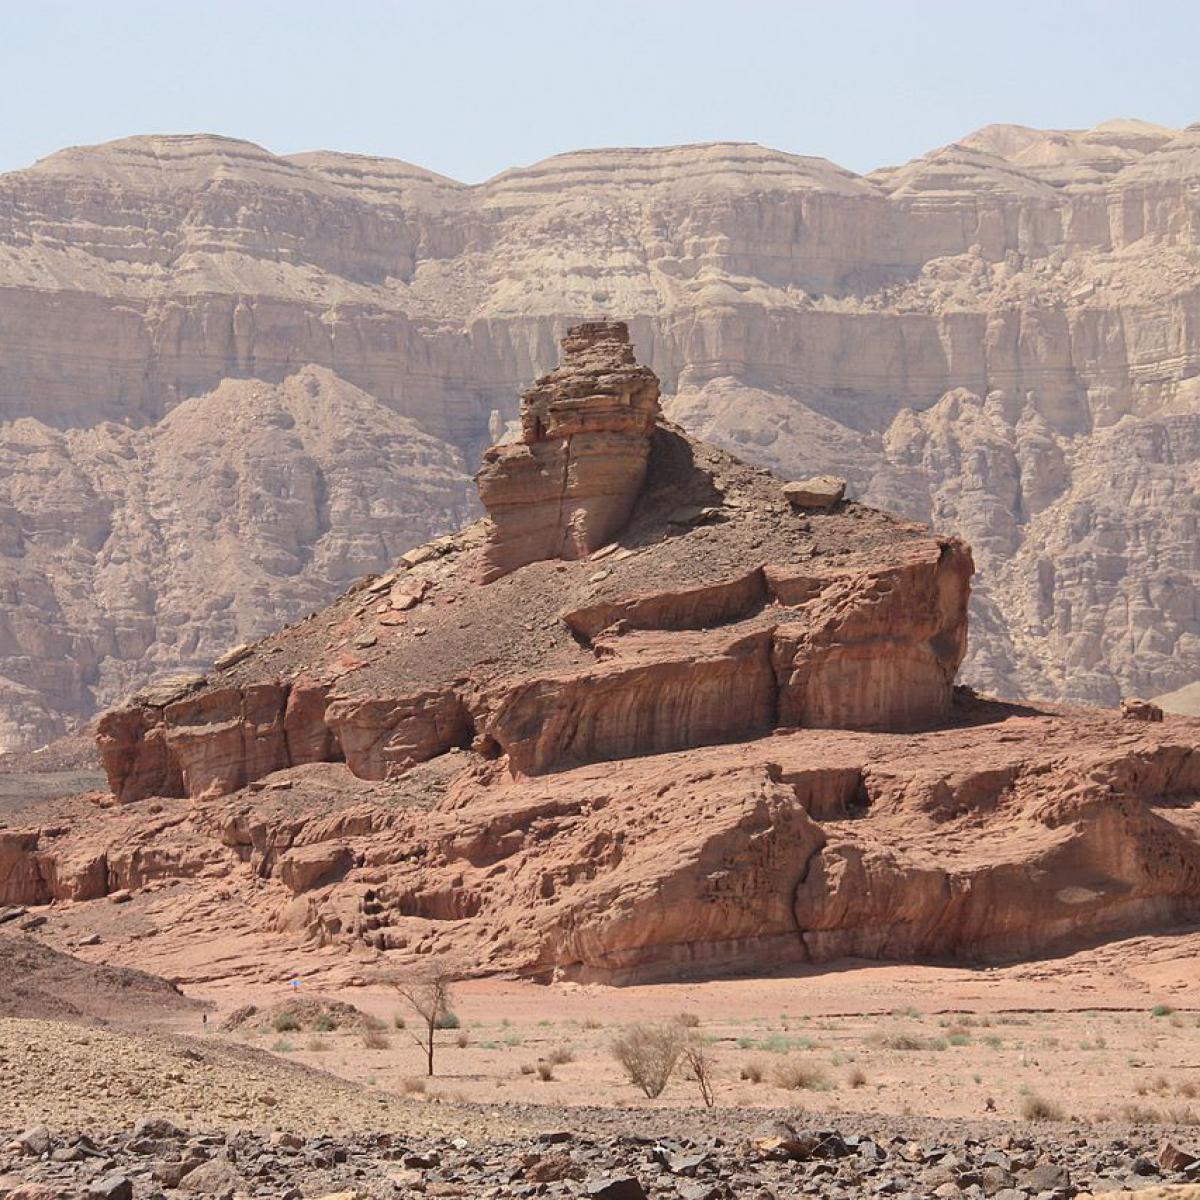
(568, 487)
(1009, 831)
(727, 738)
(1000, 338)
(871, 643)
(133, 551)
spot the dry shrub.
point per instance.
(857, 1078)
(908, 1041)
(1140, 1114)
(560, 1055)
(317, 1044)
(648, 1054)
(527, 1068)
(1182, 1115)
(794, 1074)
(545, 1070)
(375, 1039)
(689, 1020)
(753, 1071)
(414, 1086)
(1038, 1108)
(463, 1039)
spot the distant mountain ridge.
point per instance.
(232, 381)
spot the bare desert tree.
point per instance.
(700, 1065)
(430, 997)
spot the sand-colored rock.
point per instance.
(233, 381)
(821, 491)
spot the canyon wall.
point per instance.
(231, 382)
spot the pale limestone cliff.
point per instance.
(1000, 337)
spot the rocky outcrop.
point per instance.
(21, 880)
(728, 737)
(568, 487)
(874, 643)
(1007, 832)
(234, 381)
(880, 650)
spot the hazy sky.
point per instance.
(470, 88)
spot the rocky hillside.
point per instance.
(231, 382)
(657, 713)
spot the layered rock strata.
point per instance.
(1007, 833)
(727, 738)
(854, 620)
(568, 486)
(999, 338)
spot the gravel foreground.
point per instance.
(597, 1154)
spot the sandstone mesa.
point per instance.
(705, 729)
(231, 382)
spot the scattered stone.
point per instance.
(1171, 1158)
(421, 1162)
(216, 1177)
(35, 1141)
(616, 1187)
(1045, 1177)
(170, 1171)
(407, 594)
(553, 1168)
(1134, 709)
(110, 1187)
(419, 555)
(234, 656)
(821, 492)
(158, 1127)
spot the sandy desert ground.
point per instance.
(1106, 1034)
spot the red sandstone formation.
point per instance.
(720, 614)
(570, 484)
(683, 726)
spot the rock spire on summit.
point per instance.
(570, 484)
